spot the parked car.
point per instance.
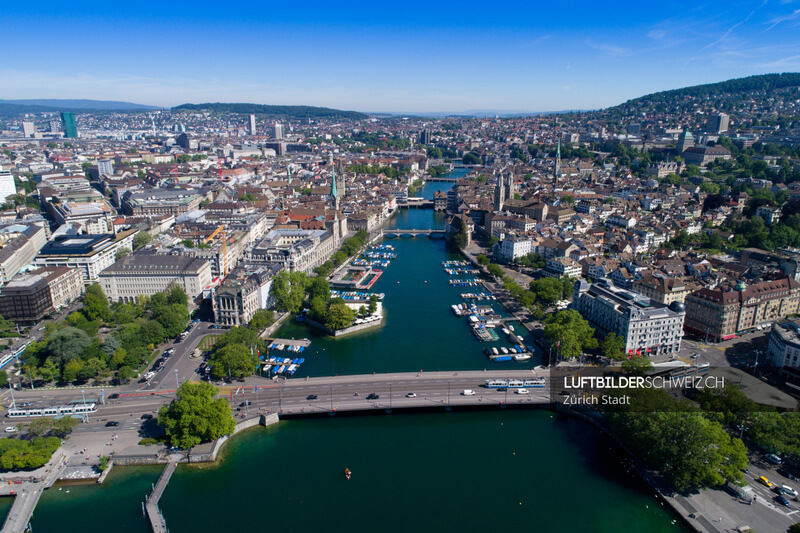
(774, 459)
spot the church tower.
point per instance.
(334, 191)
(499, 194)
(557, 169)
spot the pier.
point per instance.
(305, 343)
(157, 521)
(26, 492)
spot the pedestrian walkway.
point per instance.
(157, 521)
(27, 495)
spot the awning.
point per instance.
(729, 337)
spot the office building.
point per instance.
(252, 124)
(278, 131)
(19, 244)
(144, 274)
(783, 350)
(28, 129)
(717, 123)
(70, 125)
(90, 254)
(648, 327)
(243, 292)
(30, 296)
(105, 167)
(720, 313)
(7, 185)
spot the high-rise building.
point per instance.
(55, 126)
(28, 129)
(7, 185)
(252, 124)
(425, 137)
(105, 166)
(685, 141)
(70, 125)
(717, 123)
(278, 131)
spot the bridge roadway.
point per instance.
(400, 232)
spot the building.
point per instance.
(648, 327)
(561, 267)
(664, 290)
(30, 296)
(70, 126)
(512, 247)
(685, 141)
(440, 201)
(243, 292)
(161, 201)
(717, 123)
(28, 129)
(294, 249)
(105, 167)
(19, 244)
(783, 350)
(278, 130)
(252, 124)
(90, 254)
(7, 185)
(703, 155)
(145, 274)
(721, 313)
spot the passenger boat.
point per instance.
(522, 357)
(347, 473)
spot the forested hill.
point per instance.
(727, 93)
(290, 111)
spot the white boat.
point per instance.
(522, 357)
(505, 330)
(510, 327)
(504, 350)
(495, 352)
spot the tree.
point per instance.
(3, 378)
(141, 239)
(172, 317)
(569, 333)
(482, 260)
(196, 416)
(234, 360)
(495, 271)
(262, 319)
(288, 290)
(95, 303)
(339, 315)
(547, 290)
(637, 365)
(240, 335)
(471, 158)
(319, 287)
(67, 344)
(613, 347)
(122, 252)
(177, 296)
(373, 304)
(71, 370)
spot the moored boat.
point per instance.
(347, 473)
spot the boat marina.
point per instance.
(465, 282)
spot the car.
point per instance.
(311, 397)
(149, 376)
(774, 459)
(196, 321)
(764, 481)
(146, 416)
(468, 392)
(783, 501)
(695, 356)
(411, 395)
(372, 396)
(246, 404)
(113, 396)
(521, 391)
(11, 429)
(112, 424)
(786, 489)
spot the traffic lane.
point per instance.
(181, 361)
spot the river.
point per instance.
(456, 471)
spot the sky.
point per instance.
(400, 57)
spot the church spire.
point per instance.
(334, 191)
(557, 170)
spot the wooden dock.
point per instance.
(157, 521)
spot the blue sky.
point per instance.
(380, 56)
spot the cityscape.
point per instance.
(345, 298)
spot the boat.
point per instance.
(502, 358)
(504, 350)
(510, 327)
(505, 330)
(522, 357)
(495, 352)
(347, 473)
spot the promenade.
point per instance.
(26, 491)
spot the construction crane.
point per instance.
(223, 260)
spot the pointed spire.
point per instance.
(557, 169)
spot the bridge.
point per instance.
(27, 490)
(410, 390)
(432, 233)
(440, 178)
(418, 202)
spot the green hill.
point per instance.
(290, 111)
